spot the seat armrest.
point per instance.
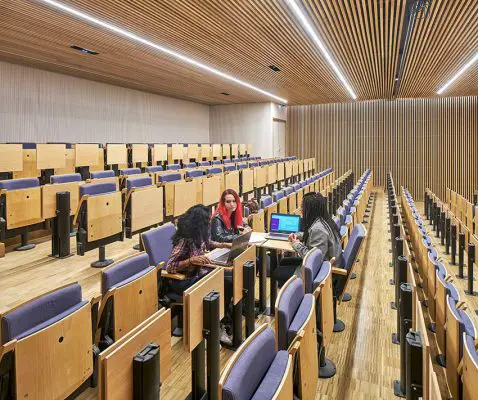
(339, 271)
(178, 277)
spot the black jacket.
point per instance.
(220, 233)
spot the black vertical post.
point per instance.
(426, 204)
(211, 329)
(461, 254)
(248, 279)
(442, 227)
(475, 198)
(63, 223)
(447, 234)
(400, 277)
(471, 262)
(414, 363)
(198, 377)
(330, 204)
(400, 386)
(453, 243)
(262, 279)
(437, 222)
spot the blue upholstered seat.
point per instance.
(41, 312)
(229, 168)
(253, 164)
(157, 243)
(266, 201)
(465, 323)
(288, 190)
(125, 271)
(302, 184)
(130, 171)
(138, 182)
(213, 170)
(277, 195)
(216, 162)
(18, 184)
(295, 187)
(190, 165)
(471, 348)
(241, 166)
(300, 316)
(154, 168)
(173, 167)
(258, 371)
(194, 173)
(312, 264)
(204, 163)
(65, 178)
(347, 258)
(227, 161)
(93, 189)
(29, 146)
(102, 174)
(171, 177)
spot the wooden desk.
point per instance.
(11, 157)
(205, 151)
(50, 156)
(247, 180)
(86, 155)
(100, 165)
(115, 366)
(249, 149)
(69, 163)
(231, 181)
(242, 149)
(193, 307)
(116, 154)
(140, 153)
(23, 207)
(234, 150)
(184, 197)
(193, 152)
(146, 208)
(29, 169)
(105, 216)
(280, 172)
(217, 151)
(288, 169)
(175, 152)
(260, 177)
(49, 197)
(160, 153)
(271, 174)
(211, 189)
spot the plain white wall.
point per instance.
(41, 106)
(243, 123)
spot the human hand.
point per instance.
(293, 237)
(226, 245)
(245, 229)
(199, 260)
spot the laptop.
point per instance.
(226, 256)
(282, 225)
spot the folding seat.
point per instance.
(169, 177)
(343, 267)
(457, 325)
(216, 162)
(227, 161)
(130, 284)
(173, 167)
(470, 368)
(204, 163)
(46, 347)
(194, 173)
(100, 219)
(269, 207)
(154, 168)
(102, 174)
(129, 171)
(229, 168)
(241, 166)
(20, 209)
(190, 165)
(279, 197)
(65, 178)
(257, 371)
(253, 164)
(213, 170)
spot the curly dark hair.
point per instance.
(193, 225)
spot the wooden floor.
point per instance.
(367, 361)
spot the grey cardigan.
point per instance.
(320, 237)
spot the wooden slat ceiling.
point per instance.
(244, 37)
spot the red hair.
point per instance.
(236, 215)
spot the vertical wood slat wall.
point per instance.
(424, 142)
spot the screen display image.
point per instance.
(285, 223)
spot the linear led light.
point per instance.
(465, 67)
(163, 49)
(315, 37)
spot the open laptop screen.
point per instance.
(285, 223)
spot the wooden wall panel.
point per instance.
(424, 142)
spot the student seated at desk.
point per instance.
(227, 223)
(320, 231)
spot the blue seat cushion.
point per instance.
(194, 173)
(66, 178)
(288, 305)
(138, 182)
(227, 161)
(216, 162)
(277, 195)
(172, 177)
(300, 317)
(103, 174)
(470, 345)
(266, 201)
(190, 165)
(312, 264)
(271, 381)
(130, 171)
(352, 248)
(254, 164)
(230, 168)
(213, 170)
(204, 163)
(157, 243)
(93, 189)
(17, 184)
(250, 368)
(343, 230)
(173, 167)
(323, 272)
(288, 190)
(42, 312)
(241, 166)
(125, 271)
(154, 168)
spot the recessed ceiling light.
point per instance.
(461, 71)
(274, 68)
(225, 94)
(172, 53)
(94, 53)
(316, 39)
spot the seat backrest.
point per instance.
(227, 161)
(154, 168)
(290, 297)
(214, 170)
(204, 163)
(130, 171)
(109, 173)
(312, 263)
(138, 182)
(65, 178)
(229, 168)
(123, 272)
(194, 173)
(216, 162)
(157, 243)
(277, 195)
(288, 190)
(353, 246)
(17, 184)
(41, 312)
(241, 166)
(190, 165)
(251, 367)
(173, 167)
(266, 201)
(93, 189)
(171, 177)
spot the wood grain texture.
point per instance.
(424, 142)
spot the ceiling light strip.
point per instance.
(461, 71)
(315, 37)
(163, 49)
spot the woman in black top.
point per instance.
(227, 223)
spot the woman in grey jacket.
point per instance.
(320, 231)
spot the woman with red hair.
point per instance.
(227, 223)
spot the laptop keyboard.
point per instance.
(220, 255)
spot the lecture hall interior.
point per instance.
(238, 199)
